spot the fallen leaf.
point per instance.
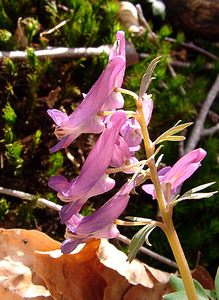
(203, 277)
(33, 267)
(17, 278)
(98, 271)
(71, 276)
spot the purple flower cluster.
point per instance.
(120, 137)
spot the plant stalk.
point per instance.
(166, 213)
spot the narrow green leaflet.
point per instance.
(138, 219)
(180, 294)
(217, 283)
(175, 138)
(146, 79)
(191, 194)
(175, 296)
(138, 240)
(211, 295)
(168, 135)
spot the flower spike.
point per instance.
(93, 179)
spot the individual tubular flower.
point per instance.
(121, 153)
(98, 225)
(92, 179)
(131, 132)
(177, 174)
(85, 118)
(131, 137)
(115, 99)
(147, 103)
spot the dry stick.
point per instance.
(194, 47)
(210, 131)
(156, 42)
(150, 253)
(27, 196)
(46, 32)
(52, 205)
(198, 128)
(60, 52)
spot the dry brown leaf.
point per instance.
(51, 98)
(33, 267)
(203, 277)
(20, 36)
(17, 279)
(98, 271)
(71, 276)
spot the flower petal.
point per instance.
(108, 213)
(69, 245)
(147, 107)
(149, 189)
(131, 132)
(84, 119)
(184, 168)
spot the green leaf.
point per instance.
(176, 283)
(167, 135)
(191, 194)
(165, 31)
(138, 219)
(174, 138)
(175, 296)
(146, 79)
(180, 294)
(180, 38)
(5, 35)
(211, 294)
(217, 283)
(9, 114)
(138, 240)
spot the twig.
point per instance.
(71, 158)
(145, 24)
(194, 47)
(52, 205)
(60, 52)
(155, 40)
(46, 32)
(150, 253)
(27, 196)
(210, 131)
(199, 123)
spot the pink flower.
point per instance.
(131, 132)
(93, 179)
(85, 118)
(181, 171)
(147, 107)
(98, 225)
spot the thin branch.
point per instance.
(155, 40)
(210, 131)
(52, 205)
(60, 52)
(46, 32)
(194, 47)
(199, 123)
(150, 253)
(29, 197)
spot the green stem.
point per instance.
(166, 213)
